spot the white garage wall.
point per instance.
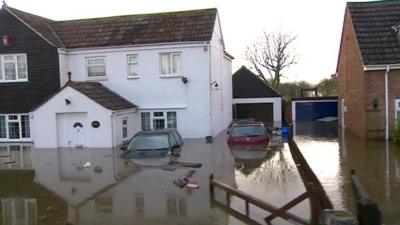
(44, 121)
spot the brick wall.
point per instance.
(351, 80)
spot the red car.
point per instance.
(248, 133)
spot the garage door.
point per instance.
(72, 130)
(311, 111)
(259, 111)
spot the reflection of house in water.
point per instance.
(15, 156)
(75, 174)
(25, 202)
(95, 186)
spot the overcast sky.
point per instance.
(316, 23)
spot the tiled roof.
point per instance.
(245, 84)
(194, 25)
(373, 22)
(102, 95)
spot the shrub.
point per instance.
(396, 133)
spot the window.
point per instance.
(133, 66)
(14, 127)
(158, 120)
(96, 66)
(124, 128)
(397, 107)
(13, 68)
(170, 64)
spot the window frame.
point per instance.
(164, 117)
(171, 64)
(19, 121)
(87, 67)
(129, 76)
(17, 72)
(124, 126)
(396, 108)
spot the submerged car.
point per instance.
(150, 144)
(248, 133)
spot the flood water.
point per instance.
(97, 186)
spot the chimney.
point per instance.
(69, 77)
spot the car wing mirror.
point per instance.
(124, 146)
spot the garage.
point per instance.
(259, 111)
(253, 99)
(314, 109)
(84, 115)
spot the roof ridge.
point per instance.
(139, 14)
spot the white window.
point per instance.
(170, 64)
(96, 67)
(158, 120)
(133, 69)
(397, 108)
(124, 128)
(13, 68)
(14, 127)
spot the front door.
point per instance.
(71, 130)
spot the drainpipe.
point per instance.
(386, 103)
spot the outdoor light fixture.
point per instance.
(185, 80)
(215, 84)
(67, 101)
(6, 40)
(375, 103)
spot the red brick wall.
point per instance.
(351, 80)
(375, 88)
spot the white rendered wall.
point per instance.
(150, 91)
(44, 129)
(221, 74)
(133, 119)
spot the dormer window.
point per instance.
(13, 68)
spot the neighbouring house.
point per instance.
(127, 73)
(368, 69)
(252, 98)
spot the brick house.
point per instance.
(368, 69)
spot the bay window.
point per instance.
(158, 120)
(13, 68)
(14, 127)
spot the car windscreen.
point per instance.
(247, 131)
(149, 142)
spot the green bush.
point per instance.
(396, 133)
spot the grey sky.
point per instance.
(316, 23)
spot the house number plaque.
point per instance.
(95, 124)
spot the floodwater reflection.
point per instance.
(97, 186)
(335, 153)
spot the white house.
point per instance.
(171, 67)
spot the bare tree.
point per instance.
(270, 55)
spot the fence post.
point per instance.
(211, 186)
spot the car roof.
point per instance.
(154, 132)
